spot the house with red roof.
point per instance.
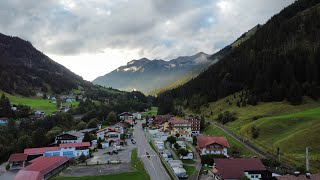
(17, 160)
(67, 149)
(212, 145)
(237, 168)
(42, 168)
(109, 134)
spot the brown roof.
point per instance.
(125, 114)
(179, 121)
(17, 157)
(40, 167)
(41, 150)
(235, 168)
(299, 177)
(204, 141)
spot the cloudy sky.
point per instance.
(94, 37)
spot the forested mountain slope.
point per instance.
(280, 61)
(25, 70)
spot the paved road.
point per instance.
(197, 159)
(151, 163)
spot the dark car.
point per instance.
(133, 142)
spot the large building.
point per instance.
(181, 127)
(238, 168)
(212, 145)
(68, 149)
(42, 168)
(70, 137)
(195, 125)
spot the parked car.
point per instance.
(118, 148)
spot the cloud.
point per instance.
(154, 29)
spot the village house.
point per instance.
(120, 126)
(68, 149)
(130, 122)
(212, 145)
(125, 116)
(181, 127)
(69, 137)
(4, 120)
(161, 119)
(195, 125)
(137, 116)
(238, 168)
(109, 135)
(17, 161)
(42, 168)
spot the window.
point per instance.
(252, 176)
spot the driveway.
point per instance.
(197, 159)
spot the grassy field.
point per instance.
(188, 161)
(280, 124)
(139, 174)
(37, 103)
(151, 112)
(190, 170)
(234, 144)
(292, 133)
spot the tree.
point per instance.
(99, 145)
(177, 135)
(255, 132)
(82, 158)
(39, 138)
(23, 143)
(81, 125)
(87, 137)
(183, 152)
(92, 123)
(176, 146)
(112, 117)
(23, 111)
(5, 107)
(171, 139)
(202, 123)
(53, 132)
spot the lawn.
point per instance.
(190, 170)
(234, 144)
(37, 103)
(139, 174)
(188, 161)
(152, 112)
(292, 133)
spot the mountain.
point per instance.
(148, 75)
(281, 60)
(25, 70)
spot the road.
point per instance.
(197, 159)
(152, 162)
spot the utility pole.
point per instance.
(279, 156)
(307, 159)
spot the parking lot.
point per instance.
(97, 165)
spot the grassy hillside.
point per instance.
(292, 133)
(234, 144)
(280, 124)
(36, 103)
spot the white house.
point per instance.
(137, 116)
(70, 137)
(212, 145)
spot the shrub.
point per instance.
(171, 139)
(255, 132)
(209, 159)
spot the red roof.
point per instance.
(108, 129)
(40, 167)
(17, 157)
(125, 114)
(80, 144)
(235, 168)
(31, 151)
(204, 141)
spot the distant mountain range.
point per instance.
(149, 75)
(155, 76)
(24, 70)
